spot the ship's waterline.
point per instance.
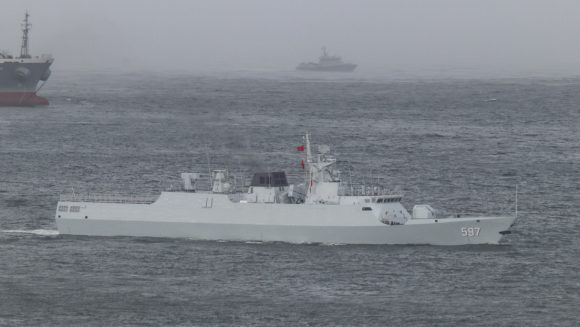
(22, 99)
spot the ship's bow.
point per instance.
(19, 80)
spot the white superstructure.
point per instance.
(322, 210)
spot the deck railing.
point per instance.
(109, 198)
(346, 189)
(241, 184)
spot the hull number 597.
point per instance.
(470, 231)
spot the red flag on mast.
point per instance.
(300, 148)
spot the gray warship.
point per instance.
(322, 208)
(19, 76)
(327, 63)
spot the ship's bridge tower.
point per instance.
(323, 179)
(326, 58)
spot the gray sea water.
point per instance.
(461, 145)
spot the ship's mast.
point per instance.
(308, 151)
(324, 53)
(322, 183)
(25, 29)
(308, 171)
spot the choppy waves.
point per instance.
(437, 142)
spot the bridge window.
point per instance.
(63, 208)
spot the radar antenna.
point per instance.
(25, 29)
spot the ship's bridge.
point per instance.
(272, 179)
(270, 187)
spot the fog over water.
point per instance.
(494, 38)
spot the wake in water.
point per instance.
(42, 232)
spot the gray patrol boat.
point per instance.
(19, 76)
(327, 63)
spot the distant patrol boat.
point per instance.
(327, 63)
(322, 210)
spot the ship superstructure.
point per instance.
(19, 76)
(322, 209)
(327, 63)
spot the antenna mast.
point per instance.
(309, 161)
(209, 170)
(25, 29)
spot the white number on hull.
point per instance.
(470, 231)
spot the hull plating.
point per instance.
(21, 99)
(19, 80)
(442, 234)
(189, 216)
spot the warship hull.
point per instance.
(215, 217)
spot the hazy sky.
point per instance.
(514, 36)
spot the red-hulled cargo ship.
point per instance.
(19, 76)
